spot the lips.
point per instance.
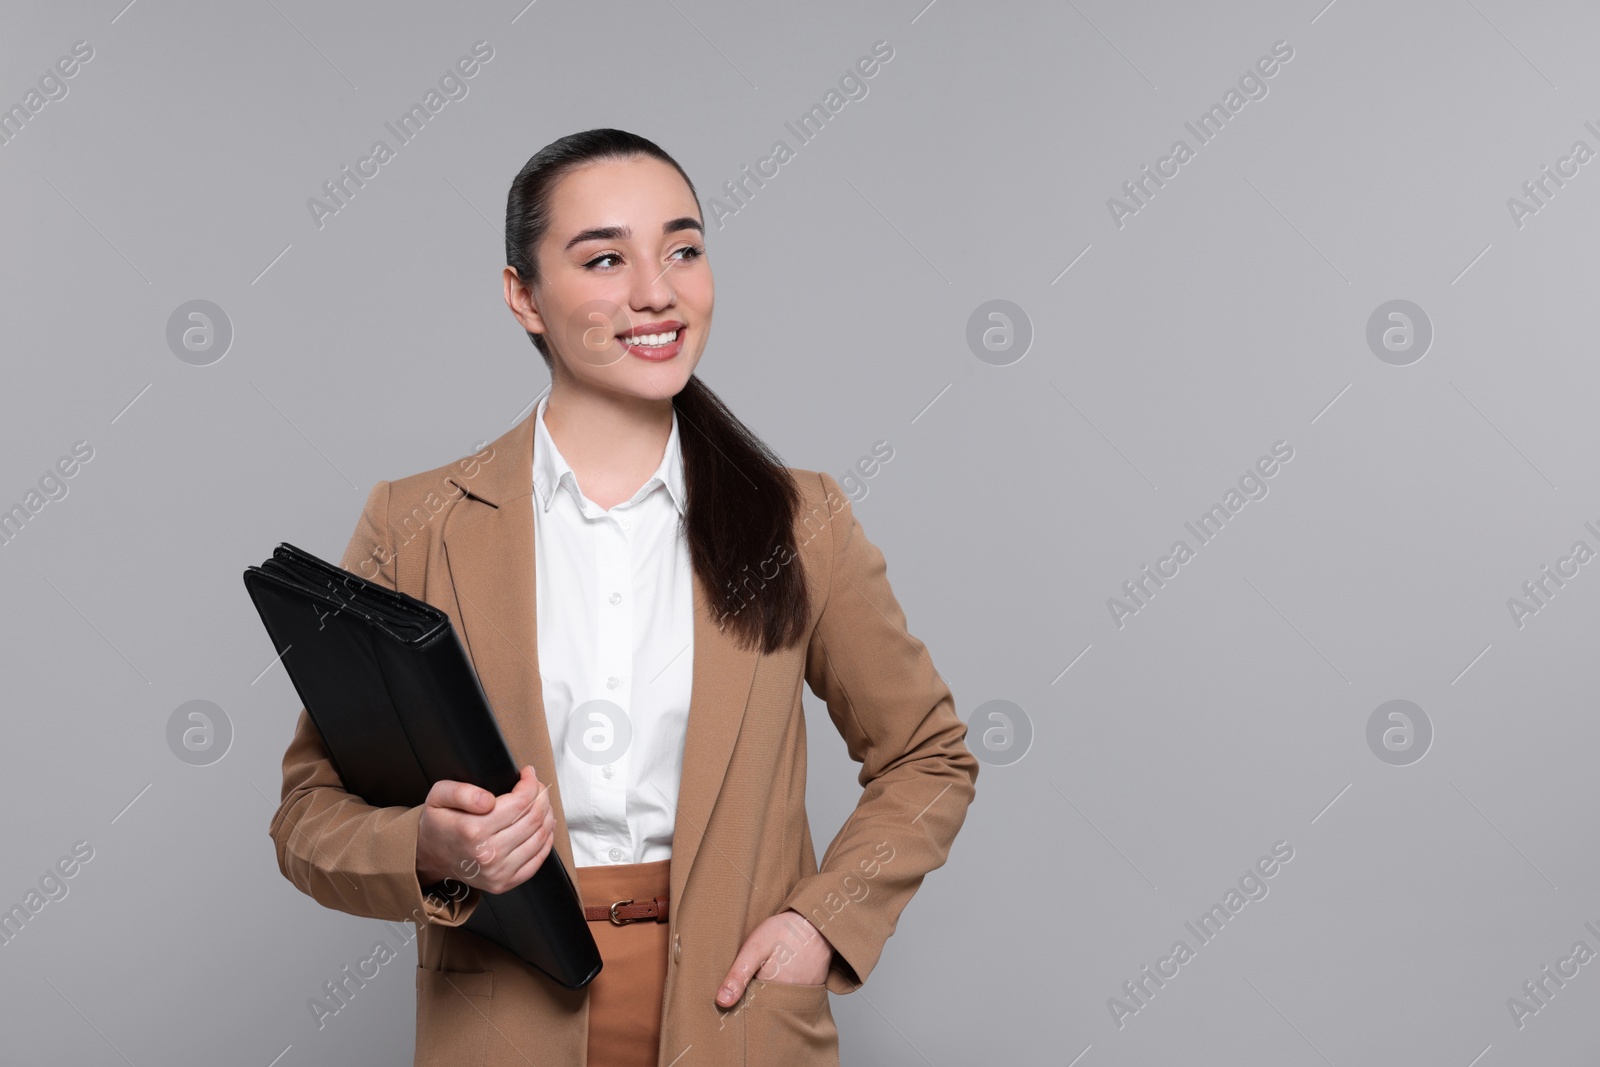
(654, 353)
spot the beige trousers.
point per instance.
(625, 999)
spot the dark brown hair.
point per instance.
(741, 500)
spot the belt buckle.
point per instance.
(622, 922)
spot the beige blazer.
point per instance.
(461, 537)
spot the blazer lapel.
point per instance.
(490, 557)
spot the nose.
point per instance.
(653, 289)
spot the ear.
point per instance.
(520, 301)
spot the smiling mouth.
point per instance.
(650, 340)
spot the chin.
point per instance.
(679, 366)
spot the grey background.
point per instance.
(1228, 314)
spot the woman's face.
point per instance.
(622, 265)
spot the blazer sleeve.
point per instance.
(342, 852)
(898, 719)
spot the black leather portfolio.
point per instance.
(385, 679)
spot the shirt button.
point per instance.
(616, 598)
(611, 682)
(616, 855)
(677, 948)
(623, 523)
(608, 770)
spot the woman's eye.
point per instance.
(685, 255)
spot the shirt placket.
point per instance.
(614, 663)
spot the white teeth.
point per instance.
(651, 340)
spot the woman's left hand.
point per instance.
(785, 948)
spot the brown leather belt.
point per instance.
(622, 912)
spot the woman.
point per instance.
(663, 742)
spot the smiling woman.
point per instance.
(642, 587)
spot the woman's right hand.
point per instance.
(492, 843)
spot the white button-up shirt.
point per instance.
(616, 652)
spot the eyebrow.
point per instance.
(622, 233)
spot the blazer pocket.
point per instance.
(453, 1017)
(787, 996)
(790, 1024)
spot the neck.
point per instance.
(613, 442)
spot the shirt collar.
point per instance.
(550, 469)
